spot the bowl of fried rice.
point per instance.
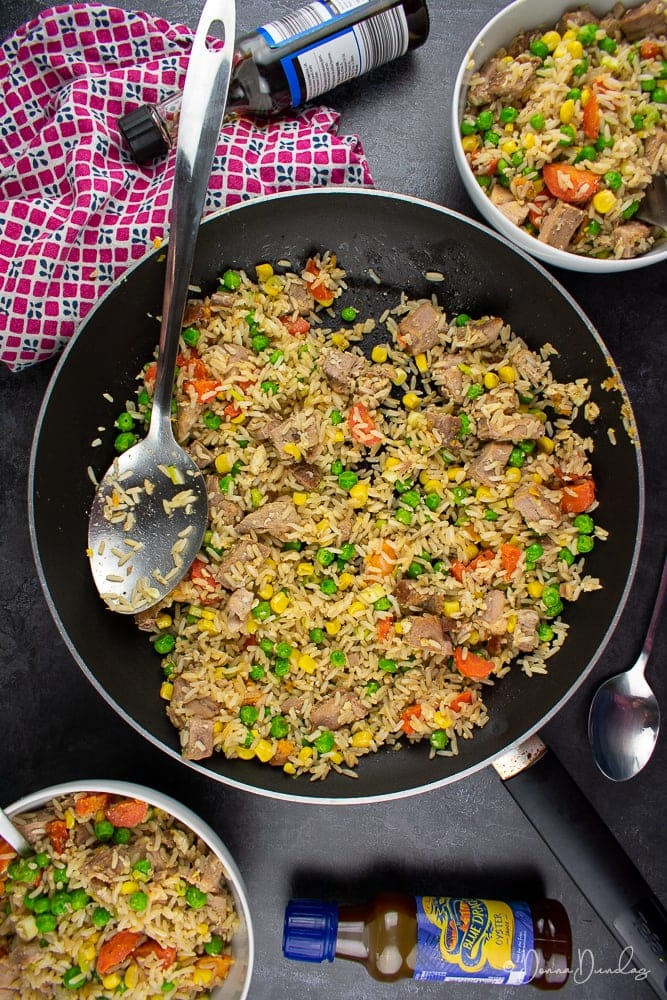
(560, 121)
(128, 891)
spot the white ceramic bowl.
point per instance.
(523, 15)
(237, 984)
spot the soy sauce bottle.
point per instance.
(292, 60)
(442, 938)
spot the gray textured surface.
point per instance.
(469, 837)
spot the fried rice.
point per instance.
(564, 129)
(119, 897)
(399, 509)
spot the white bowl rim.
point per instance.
(187, 817)
(502, 28)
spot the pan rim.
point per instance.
(324, 799)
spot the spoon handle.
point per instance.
(202, 110)
(656, 617)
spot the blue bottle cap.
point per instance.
(309, 932)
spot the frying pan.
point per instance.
(400, 239)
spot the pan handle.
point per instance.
(592, 856)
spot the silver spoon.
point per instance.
(14, 837)
(653, 206)
(149, 514)
(624, 717)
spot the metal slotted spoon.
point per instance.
(150, 510)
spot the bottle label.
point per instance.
(342, 55)
(477, 940)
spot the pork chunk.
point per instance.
(294, 430)
(506, 203)
(238, 608)
(536, 508)
(478, 333)
(575, 19)
(426, 633)
(341, 368)
(241, 564)
(338, 710)
(500, 80)
(448, 376)
(655, 150)
(197, 739)
(418, 331)
(448, 425)
(524, 637)
(487, 468)
(280, 519)
(630, 238)
(560, 225)
(648, 19)
(414, 598)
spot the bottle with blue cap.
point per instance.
(446, 938)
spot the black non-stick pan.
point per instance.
(399, 239)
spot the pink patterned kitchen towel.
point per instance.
(75, 210)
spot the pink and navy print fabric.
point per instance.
(75, 210)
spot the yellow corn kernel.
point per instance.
(433, 486)
(400, 377)
(560, 51)
(566, 113)
(264, 272)
(345, 581)
(245, 753)
(266, 592)
(456, 473)
(340, 340)
(251, 626)
(470, 550)
(356, 607)
(306, 663)
(336, 757)
(513, 475)
(451, 608)
(392, 463)
(604, 201)
(299, 499)
(569, 35)
(333, 627)
(205, 625)
(339, 436)
(218, 726)
(509, 147)
(238, 420)
(69, 819)
(264, 750)
(537, 478)
(506, 373)
(491, 380)
(99, 816)
(585, 96)
(131, 977)
(414, 420)
(575, 48)
(305, 569)
(442, 721)
(164, 621)
(470, 143)
(273, 286)
(545, 445)
(539, 415)
(362, 740)
(223, 464)
(86, 956)
(538, 186)
(166, 690)
(359, 494)
(127, 888)
(202, 977)
(289, 768)
(372, 594)
(484, 493)
(609, 62)
(474, 637)
(398, 628)
(551, 39)
(279, 603)
(111, 981)
(421, 362)
(379, 354)
(411, 401)
(203, 930)
(511, 624)
(292, 450)
(535, 588)
(236, 394)
(306, 754)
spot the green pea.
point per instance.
(637, 121)
(585, 153)
(465, 425)
(79, 899)
(231, 280)
(569, 135)
(226, 484)
(628, 212)
(602, 143)
(613, 180)
(60, 902)
(214, 945)
(551, 601)
(468, 128)
(545, 633)
(587, 34)
(281, 667)
(336, 417)
(439, 739)
(122, 835)
(292, 546)
(125, 421)
(584, 524)
(347, 480)
(329, 587)
(325, 742)
(484, 180)
(492, 138)
(337, 467)
(593, 228)
(414, 570)
(248, 715)
(484, 120)
(284, 650)
(337, 658)
(574, 94)
(261, 611)
(491, 515)
(46, 922)
(566, 556)
(211, 420)
(348, 314)
(270, 387)
(125, 441)
(143, 398)
(382, 604)
(316, 635)
(191, 336)
(347, 551)
(164, 643)
(373, 687)
(517, 458)
(538, 122)
(659, 95)
(267, 646)
(475, 391)
(104, 829)
(508, 115)
(585, 543)
(608, 45)
(279, 727)
(534, 552)
(74, 978)
(403, 516)
(460, 493)
(167, 987)
(256, 673)
(325, 557)
(41, 904)
(461, 319)
(411, 498)
(581, 68)
(539, 49)
(60, 876)
(138, 901)
(259, 342)
(432, 501)
(388, 665)
(100, 917)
